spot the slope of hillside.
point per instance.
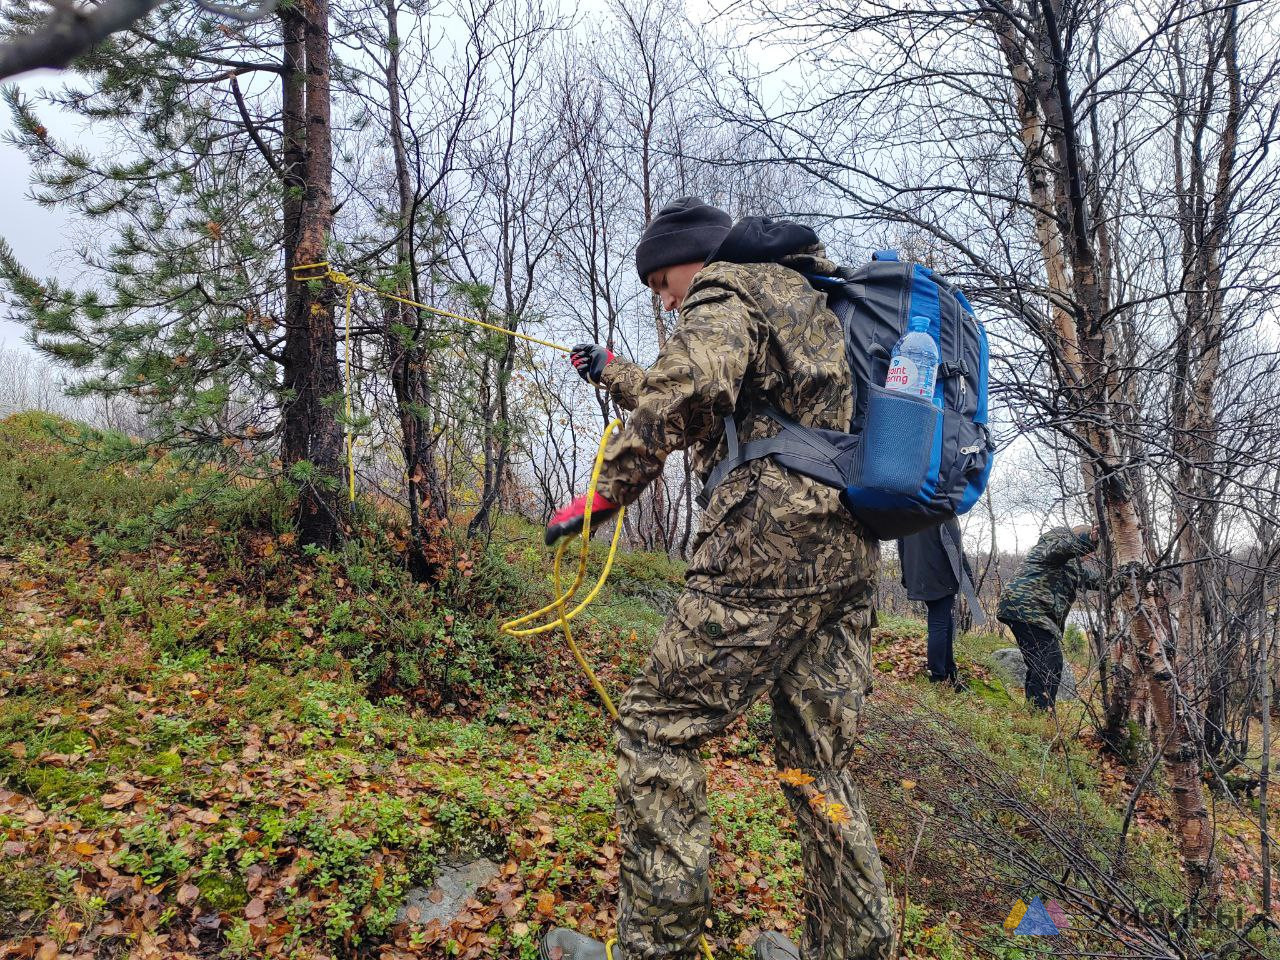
(214, 743)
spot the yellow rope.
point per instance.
(518, 627)
(323, 271)
(326, 272)
(346, 388)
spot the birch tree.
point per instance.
(1025, 139)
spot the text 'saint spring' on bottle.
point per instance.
(914, 364)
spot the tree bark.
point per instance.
(409, 367)
(312, 386)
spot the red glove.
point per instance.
(590, 359)
(567, 521)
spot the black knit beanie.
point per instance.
(684, 231)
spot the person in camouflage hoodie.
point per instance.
(1035, 604)
(778, 592)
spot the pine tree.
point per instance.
(216, 183)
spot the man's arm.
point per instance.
(690, 387)
(1087, 576)
(1065, 548)
(623, 380)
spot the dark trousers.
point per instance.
(1042, 653)
(942, 638)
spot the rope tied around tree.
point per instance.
(322, 270)
(337, 277)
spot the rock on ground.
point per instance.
(456, 884)
(1009, 663)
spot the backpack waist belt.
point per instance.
(795, 447)
(807, 451)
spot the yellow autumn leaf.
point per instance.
(795, 778)
(837, 813)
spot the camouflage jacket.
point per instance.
(1045, 587)
(748, 334)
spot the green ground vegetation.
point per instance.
(214, 742)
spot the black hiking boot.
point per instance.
(563, 944)
(772, 945)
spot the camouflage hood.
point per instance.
(1046, 584)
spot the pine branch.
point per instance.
(71, 31)
(240, 66)
(252, 129)
(235, 12)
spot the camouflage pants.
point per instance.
(715, 656)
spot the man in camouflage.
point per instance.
(778, 590)
(1035, 604)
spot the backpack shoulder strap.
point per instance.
(955, 552)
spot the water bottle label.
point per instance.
(903, 375)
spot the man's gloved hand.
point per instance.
(567, 521)
(590, 359)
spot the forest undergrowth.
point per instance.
(215, 743)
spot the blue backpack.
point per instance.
(905, 464)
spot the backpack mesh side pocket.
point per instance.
(897, 446)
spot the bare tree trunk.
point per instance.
(1264, 779)
(409, 366)
(497, 443)
(993, 553)
(1204, 213)
(311, 433)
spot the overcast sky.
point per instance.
(36, 234)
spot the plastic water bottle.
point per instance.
(914, 364)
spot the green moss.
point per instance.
(222, 892)
(50, 784)
(24, 887)
(92, 815)
(66, 741)
(167, 766)
(596, 826)
(993, 691)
